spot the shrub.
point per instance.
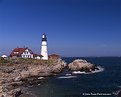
(2, 61)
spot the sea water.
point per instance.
(100, 84)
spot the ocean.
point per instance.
(101, 84)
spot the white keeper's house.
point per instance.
(24, 53)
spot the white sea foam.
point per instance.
(119, 86)
(83, 72)
(39, 84)
(65, 77)
(40, 77)
(116, 92)
(100, 69)
(68, 74)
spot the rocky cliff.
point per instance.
(18, 72)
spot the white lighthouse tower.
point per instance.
(44, 51)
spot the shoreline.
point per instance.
(19, 73)
(26, 72)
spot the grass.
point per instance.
(26, 61)
(48, 62)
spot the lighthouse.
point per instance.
(44, 51)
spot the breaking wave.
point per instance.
(100, 69)
(116, 93)
(66, 77)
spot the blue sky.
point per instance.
(73, 27)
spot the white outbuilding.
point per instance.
(4, 56)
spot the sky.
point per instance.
(74, 28)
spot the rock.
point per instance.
(25, 95)
(24, 74)
(81, 65)
(1, 90)
(20, 72)
(59, 67)
(18, 78)
(119, 94)
(18, 93)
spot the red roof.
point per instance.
(19, 51)
(54, 56)
(35, 55)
